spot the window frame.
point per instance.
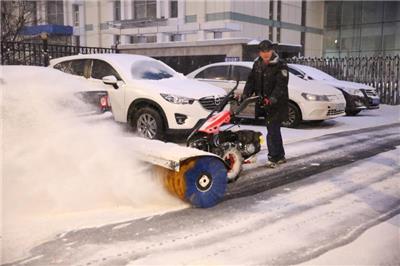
(233, 70)
(117, 76)
(173, 9)
(86, 66)
(56, 17)
(146, 4)
(117, 10)
(228, 74)
(75, 15)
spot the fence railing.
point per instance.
(39, 54)
(382, 73)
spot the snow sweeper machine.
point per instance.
(213, 157)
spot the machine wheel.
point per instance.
(294, 116)
(200, 181)
(233, 158)
(353, 113)
(147, 123)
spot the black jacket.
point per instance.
(270, 81)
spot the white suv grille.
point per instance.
(210, 103)
(333, 112)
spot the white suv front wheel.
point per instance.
(294, 116)
(147, 123)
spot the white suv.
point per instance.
(144, 92)
(308, 101)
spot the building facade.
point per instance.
(173, 28)
(361, 28)
(136, 24)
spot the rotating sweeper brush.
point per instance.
(200, 172)
(195, 176)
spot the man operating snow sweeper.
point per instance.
(269, 79)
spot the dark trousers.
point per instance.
(274, 142)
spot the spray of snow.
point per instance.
(56, 163)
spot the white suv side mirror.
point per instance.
(110, 80)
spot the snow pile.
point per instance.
(55, 163)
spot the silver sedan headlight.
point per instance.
(315, 97)
(176, 99)
(356, 92)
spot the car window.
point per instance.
(241, 72)
(78, 67)
(153, 70)
(64, 67)
(101, 69)
(296, 72)
(215, 72)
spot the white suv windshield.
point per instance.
(146, 69)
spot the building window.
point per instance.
(351, 13)
(217, 35)
(271, 17)
(142, 39)
(372, 12)
(117, 10)
(151, 39)
(391, 11)
(365, 28)
(303, 23)
(32, 12)
(332, 14)
(77, 40)
(117, 40)
(279, 18)
(145, 9)
(55, 12)
(175, 37)
(173, 9)
(75, 10)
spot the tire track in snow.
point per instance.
(335, 154)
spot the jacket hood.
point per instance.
(274, 58)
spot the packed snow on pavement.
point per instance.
(62, 173)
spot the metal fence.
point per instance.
(382, 73)
(39, 54)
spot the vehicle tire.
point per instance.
(201, 181)
(353, 113)
(233, 158)
(294, 116)
(147, 123)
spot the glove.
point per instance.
(266, 101)
(269, 101)
(237, 97)
(241, 98)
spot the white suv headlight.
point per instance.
(315, 97)
(177, 99)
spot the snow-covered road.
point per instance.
(286, 225)
(289, 224)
